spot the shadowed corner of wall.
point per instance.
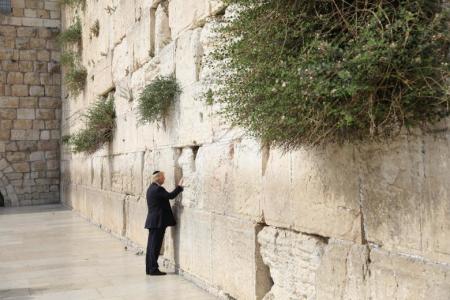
(264, 281)
(2, 200)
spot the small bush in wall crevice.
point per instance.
(305, 72)
(75, 79)
(71, 35)
(99, 125)
(156, 99)
(95, 29)
(75, 75)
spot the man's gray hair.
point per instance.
(156, 176)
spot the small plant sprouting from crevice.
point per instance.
(95, 29)
(71, 35)
(75, 74)
(75, 79)
(156, 98)
(100, 121)
(68, 58)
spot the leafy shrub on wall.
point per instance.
(304, 72)
(99, 125)
(156, 98)
(72, 34)
(76, 75)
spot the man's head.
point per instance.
(158, 177)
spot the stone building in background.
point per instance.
(30, 101)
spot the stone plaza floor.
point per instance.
(49, 252)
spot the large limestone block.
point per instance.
(308, 267)
(101, 80)
(193, 119)
(113, 212)
(247, 178)
(126, 175)
(189, 244)
(80, 170)
(106, 172)
(78, 199)
(225, 177)
(392, 190)
(293, 260)
(343, 272)
(123, 19)
(122, 60)
(189, 57)
(407, 278)
(136, 213)
(405, 195)
(186, 162)
(234, 256)
(167, 58)
(140, 37)
(213, 166)
(184, 14)
(126, 135)
(314, 191)
(96, 165)
(94, 204)
(162, 29)
(436, 205)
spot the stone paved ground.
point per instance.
(49, 252)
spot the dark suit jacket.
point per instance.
(159, 211)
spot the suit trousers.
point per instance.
(154, 243)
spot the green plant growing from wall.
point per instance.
(156, 99)
(311, 72)
(72, 34)
(75, 79)
(99, 125)
(95, 29)
(68, 58)
(75, 75)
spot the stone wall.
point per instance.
(30, 102)
(349, 222)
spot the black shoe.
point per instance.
(156, 273)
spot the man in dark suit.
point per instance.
(159, 217)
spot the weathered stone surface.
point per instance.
(26, 114)
(162, 28)
(21, 167)
(19, 90)
(15, 78)
(405, 196)
(320, 205)
(31, 78)
(293, 259)
(9, 102)
(23, 124)
(24, 135)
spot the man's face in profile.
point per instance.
(162, 178)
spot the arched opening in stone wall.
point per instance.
(2, 200)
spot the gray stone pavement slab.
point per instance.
(49, 252)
